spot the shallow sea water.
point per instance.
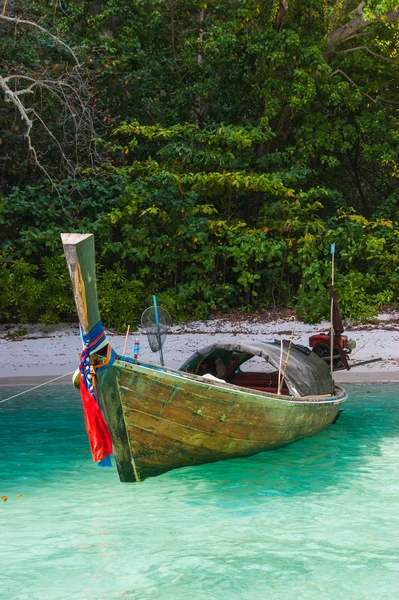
(315, 520)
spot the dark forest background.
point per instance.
(215, 149)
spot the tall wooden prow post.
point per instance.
(80, 257)
(79, 253)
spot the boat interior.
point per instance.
(264, 382)
(251, 373)
(256, 366)
(240, 366)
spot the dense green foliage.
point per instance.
(236, 142)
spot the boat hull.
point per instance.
(161, 419)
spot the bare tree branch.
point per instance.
(10, 96)
(50, 133)
(342, 34)
(19, 21)
(281, 12)
(353, 83)
(366, 50)
(10, 9)
(358, 35)
(59, 108)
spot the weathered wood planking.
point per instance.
(161, 419)
(170, 426)
(157, 425)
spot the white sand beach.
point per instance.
(48, 351)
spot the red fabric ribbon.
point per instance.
(97, 430)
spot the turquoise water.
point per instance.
(316, 520)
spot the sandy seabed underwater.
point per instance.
(315, 520)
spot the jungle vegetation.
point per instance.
(215, 149)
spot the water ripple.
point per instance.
(315, 520)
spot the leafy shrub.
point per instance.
(120, 299)
(153, 240)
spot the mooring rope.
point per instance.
(36, 386)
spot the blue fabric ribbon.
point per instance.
(91, 342)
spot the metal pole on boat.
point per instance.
(158, 330)
(280, 367)
(332, 252)
(281, 378)
(126, 338)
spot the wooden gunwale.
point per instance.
(162, 373)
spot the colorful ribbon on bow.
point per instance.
(97, 430)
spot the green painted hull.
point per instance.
(163, 420)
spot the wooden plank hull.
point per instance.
(162, 419)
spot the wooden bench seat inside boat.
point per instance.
(264, 382)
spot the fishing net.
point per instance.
(156, 332)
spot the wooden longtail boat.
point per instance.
(209, 410)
